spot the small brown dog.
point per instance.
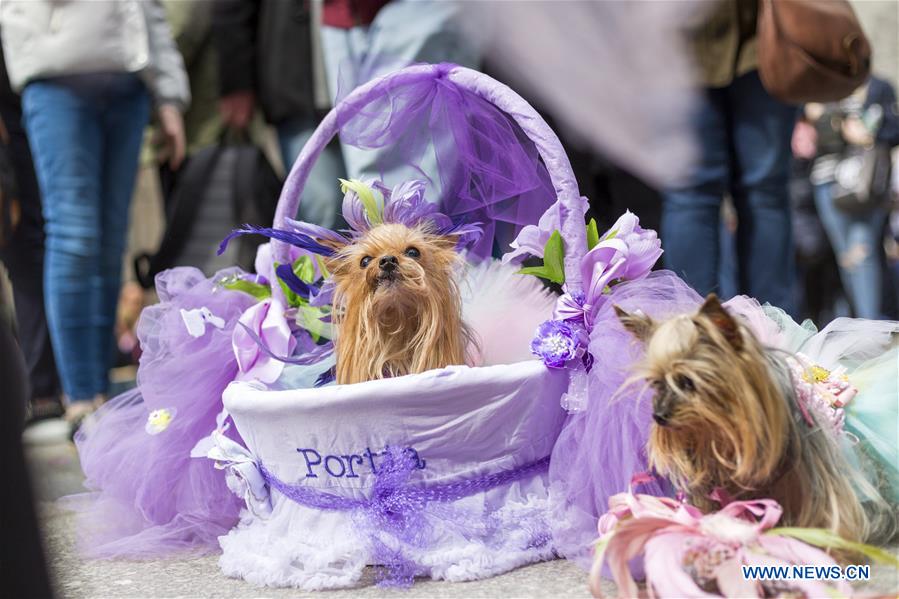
(397, 306)
(726, 417)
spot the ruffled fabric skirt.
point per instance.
(148, 496)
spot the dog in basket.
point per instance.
(393, 282)
(397, 305)
(731, 415)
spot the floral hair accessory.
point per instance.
(820, 391)
(367, 204)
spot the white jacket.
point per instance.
(48, 38)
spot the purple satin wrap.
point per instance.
(396, 508)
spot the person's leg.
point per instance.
(24, 259)
(320, 200)
(64, 134)
(836, 225)
(691, 214)
(762, 130)
(862, 262)
(126, 113)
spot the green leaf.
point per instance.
(257, 290)
(610, 235)
(592, 234)
(310, 318)
(825, 539)
(554, 257)
(367, 196)
(553, 268)
(539, 271)
(321, 266)
(304, 269)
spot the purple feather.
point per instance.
(300, 240)
(315, 231)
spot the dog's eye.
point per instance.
(684, 383)
(412, 252)
(365, 261)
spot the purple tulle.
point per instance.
(489, 170)
(601, 448)
(149, 496)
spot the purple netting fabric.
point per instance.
(600, 449)
(489, 171)
(149, 496)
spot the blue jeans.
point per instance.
(856, 240)
(744, 135)
(320, 202)
(85, 133)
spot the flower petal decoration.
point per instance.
(690, 554)
(558, 342)
(264, 321)
(159, 420)
(243, 477)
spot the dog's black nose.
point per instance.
(660, 419)
(388, 263)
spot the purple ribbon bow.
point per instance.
(395, 508)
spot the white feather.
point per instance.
(503, 309)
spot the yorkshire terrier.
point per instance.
(726, 417)
(397, 305)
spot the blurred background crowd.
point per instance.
(136, 134)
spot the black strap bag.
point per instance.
(862, 179)
(216, 190)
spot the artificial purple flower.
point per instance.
(264, 320)
(532, 238)
(354, 211)
(644, 246)
(626, 252)
(558, 342)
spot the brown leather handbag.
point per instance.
(811, 50)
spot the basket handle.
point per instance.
(532, 124)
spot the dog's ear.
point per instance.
(639, 324)
(723, 321)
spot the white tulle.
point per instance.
(314, 549)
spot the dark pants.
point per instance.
(744, 135)
(24, 259)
